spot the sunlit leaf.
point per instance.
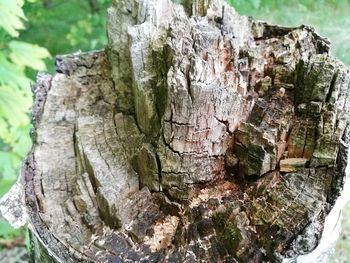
(11, 16)
(12, 75)
(29, 55)
(10, 163)
(3, 129)
(14, 106)
(255, 3)
(22, 141)
(5, 186)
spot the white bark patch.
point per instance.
(12, 208)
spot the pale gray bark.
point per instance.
(198, 135)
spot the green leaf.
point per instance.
(25, 54)
(14, 106)
(21, 140)
(11, 16)
(10, 163)
(6, 230)
(12, 75)
(5, 185)
(255, 3)
(27, 240)
(4, 129)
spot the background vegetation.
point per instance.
(32, 32)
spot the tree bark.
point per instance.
(198, 135)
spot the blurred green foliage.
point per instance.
(65, 26)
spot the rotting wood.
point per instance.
(171, 145)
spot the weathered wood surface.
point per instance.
(198, 135)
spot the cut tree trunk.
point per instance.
(198, 135)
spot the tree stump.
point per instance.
(197, 135)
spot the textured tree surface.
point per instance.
(198, 135)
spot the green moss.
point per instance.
(231, 237)
(227, 231)
(37, 252)
(256, 156)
